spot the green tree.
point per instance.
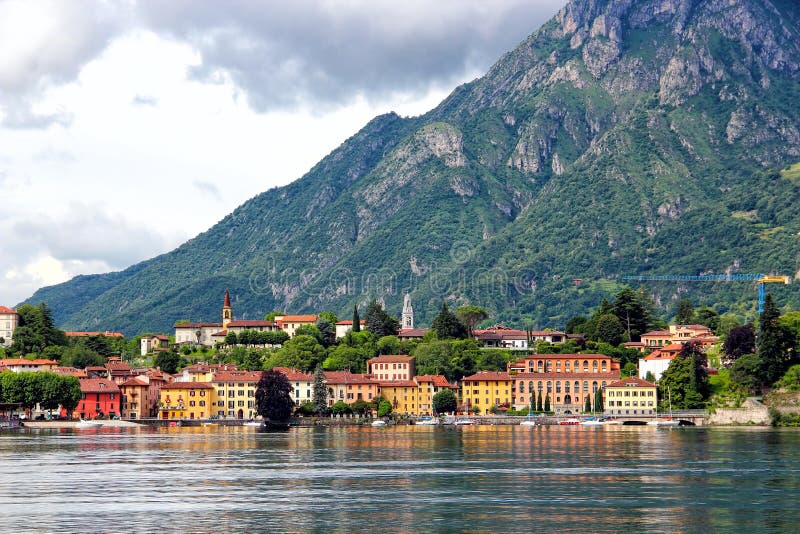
(650, 377)
(447, 326)
(574, 324)
(356, 320)
(547, 403)
(389, 345)
(320, 392)
(340, 408)
(343, 358)
(587, 407)
(273, 397)
(609, 329)
(361, 407)
(493, 360)
(598, 401)
(231, 339)
(384, 408)
(327, 331)
(774, 343)
(329, 316)
(470, 316)
(679, 383)
(81, 357)
(445, 401)
(434, 358)
(379, 322)
(744, 373)
(739, 341)
(271, 315)
(302, 352)
(168, 361)
(629, 369)
(539, 401)
(252, 361)
(685, 312)
(635, 311)
(708, 317)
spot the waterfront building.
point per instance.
(391, 367)
(140, 395)
(658, 361)
(567, 378)
(343, 327)
(9, 320)
(204, 333)
(302, 384)
(116, 335)
(99, 397)
(428, 386)
(186, 400)
(235, 394)
(203, 372)
(485, 390)
(402, 394)
(350, 387)
(631, 396)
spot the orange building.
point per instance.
(350, 387)
(391, 367)
(186, 400)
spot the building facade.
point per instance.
(186, 400)
(485, 390)
(99, 397)
(9, 320)
(391, 367)
(235, 394)
(631, 396)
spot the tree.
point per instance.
(609, 329)
(340, 408)
(587, 407)
(300, 352)
(740, 341)
(650, 377)
(320, 392)
(547, 403)
(361, 407)
(629, 369)
(447, 326)
(252, 361)
(744, 374)
(445, 401)
(680, 383)
(470, 316)
(708, 317)
(309, 330)
(81, 357)
(271, 315)
(685, 312)
(327, 331)
(356, 320)
(273, 397)
(168, 361)
(384, 408)
(539, 401)
(598, 401)
(574, 324)
(379, 322)
(231, 339)
(774, 343)
(532, 407)
(634, 309)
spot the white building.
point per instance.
(9, 319)
(343, 327)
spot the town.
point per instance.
(376, 366)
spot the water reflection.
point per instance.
(502, 478)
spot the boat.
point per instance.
(428, 421)
(665, 423)
(464, 422)
(83, 423)
(378, 422)
(569, 422)
(528, 421)
(253, 423)
(591, 421)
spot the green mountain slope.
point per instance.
(620, 138)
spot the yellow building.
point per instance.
(186, 400)
(485, 389)
(632, 396)
(403, 394)
(428, 386)
(235, 394)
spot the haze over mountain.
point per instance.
(622, 137)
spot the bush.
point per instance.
(341, 408)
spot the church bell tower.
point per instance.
(407, 318)
(227, 311)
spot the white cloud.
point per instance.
(129, 127)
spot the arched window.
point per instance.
(549, 386)
(594, 364)
(566, 387)
(585, 365)
(530, 386)
(558, 386)
(539, 386)
(594, 387)
(577, 386)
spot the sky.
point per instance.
(127, 128)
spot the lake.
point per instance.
(401, 479)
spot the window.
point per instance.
(202, 393)
(191, 403)
(240, 403)
(191, 393)
(202, 403)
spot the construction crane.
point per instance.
(760, 279)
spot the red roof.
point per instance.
(390, 358)
(660, 355)
(658, 333)
(252, 324)
(437, 380)
(397, 383)
(413, 332)
(346, 377)
(8, 362)
(98, 385)
(91, 334)
(349, 323)
(631, 381)
(297, 319)
(187, 385)
(3, 309)
(237, 376)
(481, 376)
(227, 302)
(135, 381)
(293, 375)
(199, 325)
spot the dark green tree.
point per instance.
(532, 407)
(685, 312)
(252, 360)
(744, 373)
(547, 403)
(231, 339)
(574, 324)
(361, 407)
(470, 316)
(774, 343)
(168, 361)
(650, 377)
(340, 408)
(445, 401)
(539, 401)
(447, 326)
(356, 320)
(679, 384)
(707, 317)
(635, 311)
(379, 322)
(598, 401)
(740, 340)
(587, 407)
(320, 392)
(273, 397)
(327, 331)
(609, 329)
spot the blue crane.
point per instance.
(760, 279)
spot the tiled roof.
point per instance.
(251, 324)
(631, 381)
(659, 355)
(349, 323)
(69, 371)
(413, 332)
(98, 385)
(437, 380)
(297, 319)
(8, 362)
(397, 383)
(3, 309)
(91, 334)
(199, 325)
(187, 385)
(658, 333)
(135, 381)
(390, 358)
(345, 377)
(118, 367)
(487, 375)
(221, 333)
(294, 374)
(237, 376)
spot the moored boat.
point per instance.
(570, 421)
(429, 421)
(464, 422)
(378, 422)
(83, 424)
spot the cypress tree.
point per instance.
(533, 401)
(539, 403)
(588, 406)
(547, 403)
(356, 320)
(598, 401)
(320, 392)
(773, 343)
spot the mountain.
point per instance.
(623, 137)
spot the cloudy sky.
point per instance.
(128, 127)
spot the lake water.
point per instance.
(401, 479)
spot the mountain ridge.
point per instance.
(601, 146)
